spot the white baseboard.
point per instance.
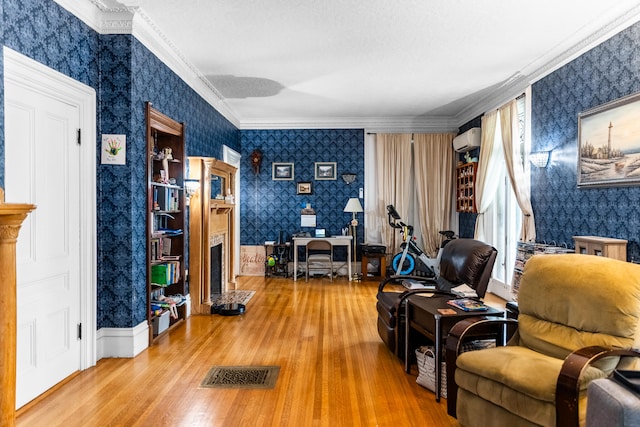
(122, 342)
(126, 342)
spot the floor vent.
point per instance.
(241, 377)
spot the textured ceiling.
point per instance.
(411, 61)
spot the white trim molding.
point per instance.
(122, 342)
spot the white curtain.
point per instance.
(490, 166)
(519, 182)
(434, 171)
(394, 182)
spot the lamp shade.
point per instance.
(353, 205)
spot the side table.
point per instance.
(382, 264)
(422, 315)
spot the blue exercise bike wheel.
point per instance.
(407, 267)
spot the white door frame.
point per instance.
(23, 71)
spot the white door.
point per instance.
(42, 166)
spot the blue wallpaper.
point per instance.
(269, 206)
(607, 72)
(132, 76)
(44, 31)
(2, 95)
(125, 75)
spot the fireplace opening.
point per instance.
(216, 270)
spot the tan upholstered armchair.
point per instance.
(578, 315)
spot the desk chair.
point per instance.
(319, 252)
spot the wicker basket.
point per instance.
(426, 359)
(425, 356)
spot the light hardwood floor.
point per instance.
(334, 369)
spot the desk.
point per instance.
(423, 316)
(335, 241)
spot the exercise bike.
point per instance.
(411, 259)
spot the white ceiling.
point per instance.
(419, 64)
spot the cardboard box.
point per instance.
(160, 323)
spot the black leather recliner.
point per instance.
(463, 261)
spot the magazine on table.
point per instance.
(467, 304)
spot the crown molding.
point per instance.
(154, 40)
(110, 17)
(434, 124)
(518, 83)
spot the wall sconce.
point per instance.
(191, 186)
(540, 159)
(348, 177)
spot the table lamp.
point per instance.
(354, 206)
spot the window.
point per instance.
(504, 217)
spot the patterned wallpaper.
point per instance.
(132, 76)
(44, 31)
(269, 206)
(607, 72)
(2, 43)
(125, 75)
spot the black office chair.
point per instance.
(319, 253)
(463, 261)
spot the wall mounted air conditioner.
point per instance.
(467, 141)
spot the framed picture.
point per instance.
(305, 188)
(282, 172)
(609, 144)
(325, 170)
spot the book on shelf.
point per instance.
(467, 304)
(166, 273)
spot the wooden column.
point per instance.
(11, 217)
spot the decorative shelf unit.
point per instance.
(166, 281)
(601, 246)
(466, 187)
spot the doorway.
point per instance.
(50, 143)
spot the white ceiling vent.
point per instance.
(467, 141)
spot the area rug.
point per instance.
(241, 377)
(232, 297)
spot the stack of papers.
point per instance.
(464, 290)
(417, 284)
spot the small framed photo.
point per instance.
(282, 172)
(325, 170)
(305, 188)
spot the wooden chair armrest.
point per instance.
(455, 339)
(567, 387)
(398, 278)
